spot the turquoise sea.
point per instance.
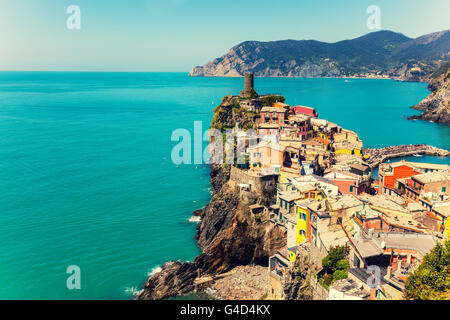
(86, 177)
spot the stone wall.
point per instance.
(256, 183)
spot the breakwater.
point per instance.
(376, 156)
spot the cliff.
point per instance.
(436, 106)
(382, 53)
(227, 235)
(300, 276)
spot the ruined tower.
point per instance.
(248, 82)
(249, 90)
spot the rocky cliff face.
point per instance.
(379, 53)
(227, 235)
(298, 286)
(436, 106)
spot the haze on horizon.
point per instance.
(176, 35)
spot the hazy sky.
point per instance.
(175, 35)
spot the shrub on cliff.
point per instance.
(431, 280)
(270, 100)
(335, 265)
(340, 274)
(333, 259)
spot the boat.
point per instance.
(417, 155)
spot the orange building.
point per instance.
(389, 173)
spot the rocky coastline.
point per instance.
(436, 106)
(227, 236)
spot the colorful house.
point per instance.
(305, 110)
(442, 212)
(302, 220)
(344, 135)
(303, 126)
(273, 115)
(269, 131)
(389, 173)
(348, 183)
(280, 105)
(322, 185)
(347, 148)
(266, 154)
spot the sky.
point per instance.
(176, 35)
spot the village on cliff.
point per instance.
(372, 233)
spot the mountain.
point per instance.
(436, 106)
(381, 53)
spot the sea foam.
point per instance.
(154, 271)
(195, 219)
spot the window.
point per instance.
(444, 189)
(351, 188)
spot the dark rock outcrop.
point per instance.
(174, 279)
(228, 237)
(436, 106)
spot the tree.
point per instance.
(335, 265)
(335, 255)
(431, 280)
(271, 99)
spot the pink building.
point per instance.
(273, 115)
(305, 110)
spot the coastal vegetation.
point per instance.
(335, 266)
(431, 280)
(271, 99)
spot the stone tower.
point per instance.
(249, 90)
(248, 82)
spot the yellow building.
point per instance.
(287, 173)
(344, 148)
(308, 191)
(443, 214)
(302, 220)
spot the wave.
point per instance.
(195, 219)
(154, 271)
(132, 291)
